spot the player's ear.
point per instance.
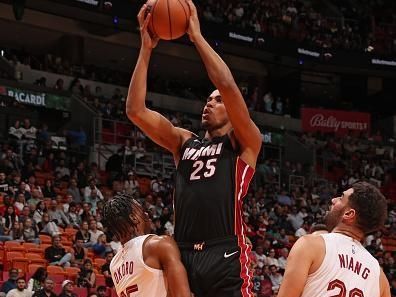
(350, 214)
(133, 219)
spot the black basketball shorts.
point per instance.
(218, 268)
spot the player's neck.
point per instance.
(349, 231)
(210, 134)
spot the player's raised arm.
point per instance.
(174, 271)
(246, 132)
(298, 266)
(153, 124)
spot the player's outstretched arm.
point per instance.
(174, 271)
(153, 124)
(246, 132)
(297, 269)
(384, 285)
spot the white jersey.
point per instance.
(348, 269)
(131, 276)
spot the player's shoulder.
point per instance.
(155, 242)
(159, 248)
(185, 135)
(311, 241)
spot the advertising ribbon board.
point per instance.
(334, 121)
(36, 98)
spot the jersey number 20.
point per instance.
(203, 169)
(337, 284)
(129, 290)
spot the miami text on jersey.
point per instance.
(206, 151)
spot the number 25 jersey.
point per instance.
(211, 181)
(131, 276)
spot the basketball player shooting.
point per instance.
(147, 265)
(336, 264)
(213, 173)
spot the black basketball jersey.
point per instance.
(211, 181)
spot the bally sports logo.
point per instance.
(335, 121)
(319, 120)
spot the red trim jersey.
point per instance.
(211, 181)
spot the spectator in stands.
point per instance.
(4, 188)
(56, 254)
(48, 227)
(86, 212)
(73, 216)
(79, 254)
(47, 290)
(101, 291)
(74, 191)
(131, 185)
(39, 211)
(304, 229)
(86, 277)
(88, 189)
(29, 232)
(105, 269)
(20, 290)
(283, 259)
(57, 215)
(33, 185)
(259, 256)
(11, 162)
(48, 189)
(20, 202)
(271, 259)
(64, 172)
(93, 200)
(11, 283)
(101, 246)
(67, 289)
(15, 132)
(36, 282)
(84, 234)
(275, 276)
(35, 198)
(295, 218)
(94, 231)
(9, 219)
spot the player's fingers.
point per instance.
(141, 13)
(146, 21)
(193, 9)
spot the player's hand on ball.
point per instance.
(194, 29)
(148, 41)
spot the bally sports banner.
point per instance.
(334, 121)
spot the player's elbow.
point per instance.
(133, 113)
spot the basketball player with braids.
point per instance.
(213, 173)
(147, 265)
(336, 263)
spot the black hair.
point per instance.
(40, 274)
(117, 215)
(370, 206)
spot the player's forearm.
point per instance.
(217, 69)
(136, 100)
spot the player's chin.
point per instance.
(205, 124)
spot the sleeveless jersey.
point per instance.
(211, 181)
(131, 276)
(348, 269)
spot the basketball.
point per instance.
(169, 18)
